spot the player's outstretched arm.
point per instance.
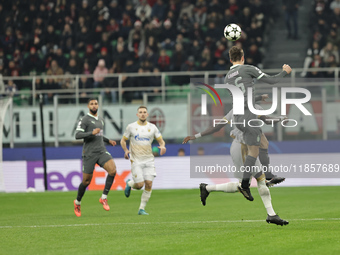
(126, 151)
(161, 146)
(273, 79)
(82, 135)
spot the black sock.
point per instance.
(81, 191)
(264, 159)
(108, 184)
(248, 164)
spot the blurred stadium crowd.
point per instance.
(325, 39)
(117, 36)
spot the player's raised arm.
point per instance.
(270, 79)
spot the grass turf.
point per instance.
(44, 223)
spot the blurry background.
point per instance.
(128, 53)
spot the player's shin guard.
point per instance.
(108, 184)
(265, 194)
(145, 198)
(248, 164)
(81, 191)
(264, 159)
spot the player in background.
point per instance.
(238, 152)
(141, 134)
(90, 128)
(243, 76)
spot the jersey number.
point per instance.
(240, 85)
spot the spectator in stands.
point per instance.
(187, 8)
(137, 40)
(60, 58)
(163, 61)
(99, 74)
(51, 37)
(316, 63)
(205, 62)
(200, 12)
(84, 83)
(85, 11)
(149, 56)
(184, 25)
(220, 66)
(334, 37)
(329, 50)
(311, 52)
(115, 10)
(196, 33)
(8, 40)
(32, 62)
(112, 29)
(335, 4)
(104, 55)
(55, 70)
(10, 88)
(330, 62)
(90, 56)
(178, 58)
(196, 49)
(100, 9)
(254, 56)
(120, 56)
(83, 37)
(145, 7)
(168, 35)
(159, 10)
(72, 67)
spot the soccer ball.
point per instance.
(232, 32)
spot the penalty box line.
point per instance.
(171, 222)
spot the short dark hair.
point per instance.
(142, 106)
(90, 99)
(235, 54)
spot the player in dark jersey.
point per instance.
(245, 76)
(90, 128)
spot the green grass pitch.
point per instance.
(44, 223)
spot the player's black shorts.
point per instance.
(251, 135)
(90, 161)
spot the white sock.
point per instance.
(77, 202)
(265, 196)
(229, 187)
(131, 183)
(104, 196)
(145, 198)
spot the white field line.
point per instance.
(171, 222)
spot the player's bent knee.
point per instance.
(139, 185)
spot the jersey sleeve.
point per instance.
(81, 125)
(127, 133)
(255, 72)
(157, 134)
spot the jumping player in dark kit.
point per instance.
(90, 128)
(243, 77)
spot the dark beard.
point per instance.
(94, 112)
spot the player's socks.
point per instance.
(265, 195)
(104, 196)
(248, 164)
(108, 184)
(77, 202)
(230, 187)
(264, 159)
(81, 191)
(145, 198)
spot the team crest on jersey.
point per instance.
(149, 130)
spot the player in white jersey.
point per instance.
(141, 134)
(238, 152)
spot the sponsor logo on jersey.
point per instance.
(137, 138)
(232, 75)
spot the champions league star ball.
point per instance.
(232, 32)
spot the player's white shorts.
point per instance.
(238, 154)
(143, 171)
